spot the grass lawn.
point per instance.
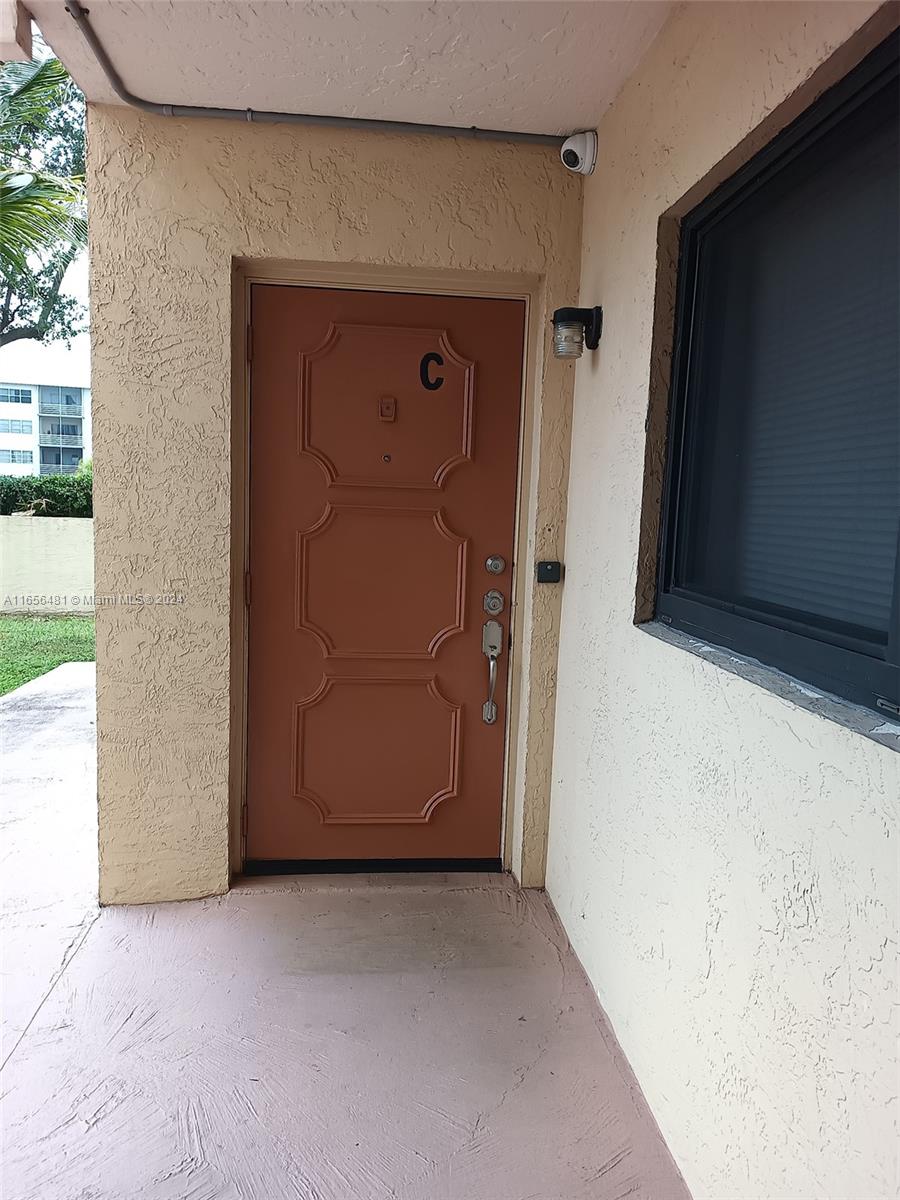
(30, 646)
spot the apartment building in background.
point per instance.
(45, 429)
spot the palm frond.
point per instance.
(36, 211)
(29, 92)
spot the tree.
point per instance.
(42, 222)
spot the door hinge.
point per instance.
(249, 343)
(880, 702)
(247, 588)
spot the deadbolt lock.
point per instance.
(495, 565)
(493, 602)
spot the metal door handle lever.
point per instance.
(492, 646)
(489, 712)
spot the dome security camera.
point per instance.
(579, 152)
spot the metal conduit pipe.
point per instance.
(80, 16)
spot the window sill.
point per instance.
(851, 716)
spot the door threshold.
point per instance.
(365, 866)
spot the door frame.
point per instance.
(369, 278)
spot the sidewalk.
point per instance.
(48, 836)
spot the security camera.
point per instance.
(579, 152)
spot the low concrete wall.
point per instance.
(46, 564)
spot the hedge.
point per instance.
(65, 495)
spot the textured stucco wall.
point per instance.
(171, 204)
(724, 862)
(46, 564)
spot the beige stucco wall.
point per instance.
(46, 564)
(724, 861)
(171, 204)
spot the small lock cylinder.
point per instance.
(493, 602)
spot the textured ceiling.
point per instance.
(535, 65)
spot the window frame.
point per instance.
(837, 662)
(15, 394)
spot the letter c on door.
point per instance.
(427, 382)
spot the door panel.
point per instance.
(426, 444)
(383, 457)
(341, 559)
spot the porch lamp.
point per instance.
(575, 328)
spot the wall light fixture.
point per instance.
(575, 328)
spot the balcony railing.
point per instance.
(60, 439)
(59, 408)
(57, 469)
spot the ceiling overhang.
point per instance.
(15, 32)
(532, 66)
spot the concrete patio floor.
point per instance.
(48, 836)
(327, 1038)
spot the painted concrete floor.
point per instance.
(48, 836)
(415, 1037)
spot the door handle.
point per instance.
(492, 647)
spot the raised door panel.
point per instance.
(400, 766)
(363, 437)
(407, 563)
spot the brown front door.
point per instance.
(383, 454)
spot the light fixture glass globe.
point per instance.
(568, 339)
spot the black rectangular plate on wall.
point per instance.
(549, 572)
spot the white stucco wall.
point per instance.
(725, 862)
(46, 564)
